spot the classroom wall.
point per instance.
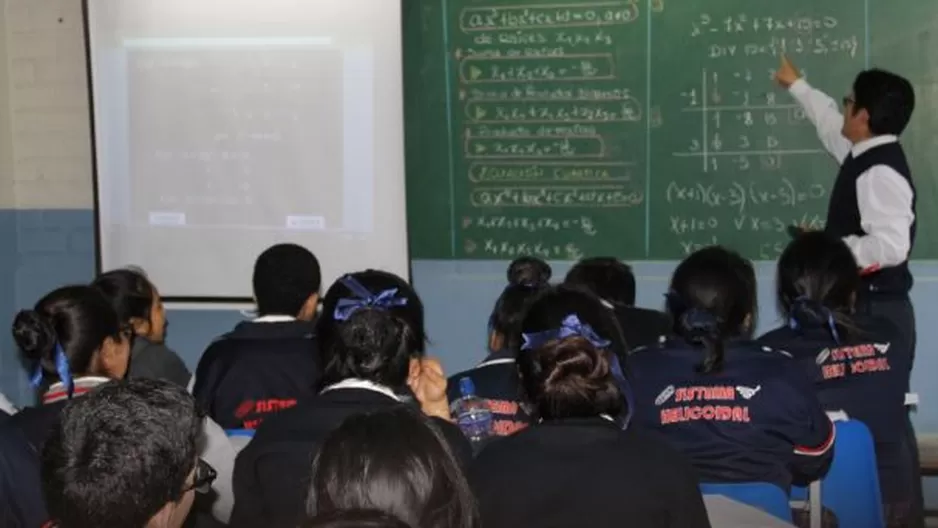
(47, 233)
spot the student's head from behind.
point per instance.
(566, 355)
(136, 301)
(607, 277)
(712, 298)
(881, 103)
(355, 519)
(287, 280)
(817, 280)
(123, 455)
(528, 270)
(394, 461)
(371, 327)
(527, 277)
(73, 331)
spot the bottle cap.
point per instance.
(466, 387)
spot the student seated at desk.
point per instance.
(581, 464)
(741, 411)
(371, 334)
(857, 362)
(267, 364)
(496, 379)
(613, 281)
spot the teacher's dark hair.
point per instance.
(570, 377)
(712, 298)
(888, 98)
(817, 278)
(395, 461)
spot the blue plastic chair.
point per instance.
(851, 487)
(761, 495)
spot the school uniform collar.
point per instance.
(58, 391)
(875, 141)
(360, 384)
(274, 319)
(501, 357)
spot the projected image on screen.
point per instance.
(199, 163)
(223, 127)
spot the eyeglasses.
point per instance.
(849, 100)
(204, 476)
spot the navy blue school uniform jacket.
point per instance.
(641, 326)
(585, 472)
(864, 375)
(21, 502)
(258, 369)
(756, 420)
(272, 474)
(496, 381)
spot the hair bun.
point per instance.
(33, 334)
(530, 272)
(574, 369)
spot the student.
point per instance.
(613, 281)
(355, 519)
(741, 411)
(74, 342)
(138, 306)
(125, 455)
(582, 463)
(856, 361)
(496, 378)
(371, 334)
(270, 363)
(21, 503)
(395, 461)
(74, 339)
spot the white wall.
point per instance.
(45, 153)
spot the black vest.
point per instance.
(843, 212)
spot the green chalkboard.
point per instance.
(639, 128)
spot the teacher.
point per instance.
(872, 203)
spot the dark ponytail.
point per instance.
(527, 278)
(712, 299)
(817, 283)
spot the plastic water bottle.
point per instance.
(472, 414)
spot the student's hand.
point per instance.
(787, 74)
(428, 383)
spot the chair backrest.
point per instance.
(762, 495)
(851, 487)
(239, 438)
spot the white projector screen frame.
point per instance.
(186, 190)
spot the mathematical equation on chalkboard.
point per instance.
(579, 128)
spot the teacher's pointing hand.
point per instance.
(787, 74)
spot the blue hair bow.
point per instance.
(570, 326)
(364, 299)
(825, 312)
(61, 367)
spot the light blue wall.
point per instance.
(47, 248)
